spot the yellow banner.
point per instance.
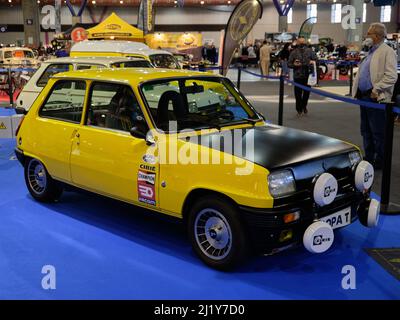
(174, 40)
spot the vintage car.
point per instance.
(50, 67)
(107, 48)
(18, 56)
(238, 183)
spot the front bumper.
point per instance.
(266, 226)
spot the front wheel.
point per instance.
(216, 233)
(40, 184)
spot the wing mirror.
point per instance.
(141, 133)
(138, 133)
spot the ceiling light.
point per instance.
(229, 2)
(93, 2)
(121, 2)
(201, 2)
(175, 2)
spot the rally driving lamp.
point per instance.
(319, 236)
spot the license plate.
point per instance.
(338, 219)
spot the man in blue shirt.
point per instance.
(375, 82)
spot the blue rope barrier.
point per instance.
(367, 104)
(340, 98)
(260, 75)
(339, 62)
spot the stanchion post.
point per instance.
(351, 79)
(239, 77)
(387, 158)
(281, 93)
(10, 89)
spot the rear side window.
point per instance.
(52, 70)
(65, 101)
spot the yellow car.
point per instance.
(239, 183)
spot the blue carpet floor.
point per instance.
(103, 249)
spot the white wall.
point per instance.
(212, 15)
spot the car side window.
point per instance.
(52, 70)
(114, 106)
(65, 101)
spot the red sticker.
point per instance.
(146, 187)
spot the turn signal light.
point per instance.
(290, 217)
(285, 235)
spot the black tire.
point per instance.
(40, 184)
(223, 253)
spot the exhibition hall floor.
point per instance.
(103, 249)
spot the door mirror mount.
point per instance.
(137, 133)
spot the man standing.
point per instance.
(265, 58)
(300, 60)
(375, 82)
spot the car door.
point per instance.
(105, 157)
(58, 120)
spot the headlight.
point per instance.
(281, 183)
(354, 157)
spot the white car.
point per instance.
(53, 66)
(101, 48)
(18, 56)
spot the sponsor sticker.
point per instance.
(149, 158)
(146, 187)
(3, 126)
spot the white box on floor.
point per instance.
(6, 127)
(15, 121)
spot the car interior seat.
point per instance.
(163, 113)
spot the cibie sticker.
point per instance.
(146, 187)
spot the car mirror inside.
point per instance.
(195, 88)
(20, 110)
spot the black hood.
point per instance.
(275, 147)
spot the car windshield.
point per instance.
(164, 61)
(196, 103)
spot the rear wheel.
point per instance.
(216, 233)
(40, 184)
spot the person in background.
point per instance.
(330, 47)
(299, 60)
(251, 52)
(284, 57)
(375, 82)
(213, 54)
(342, 51)
(265, 58)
